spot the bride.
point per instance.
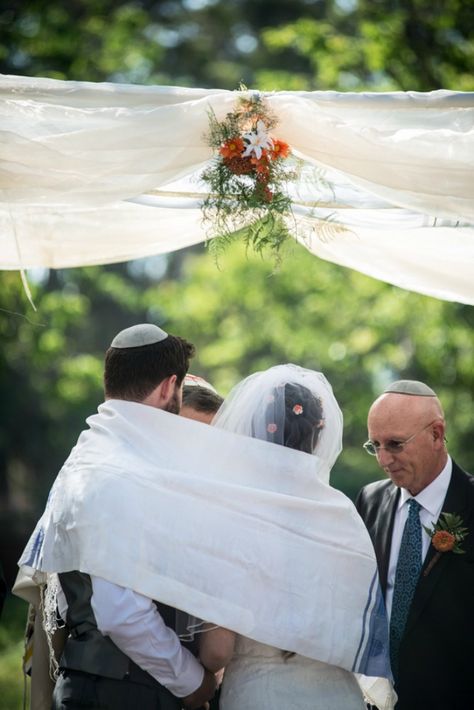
(295, 408)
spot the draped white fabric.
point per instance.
(269, 550)
(96, 173)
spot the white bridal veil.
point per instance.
(261, 405)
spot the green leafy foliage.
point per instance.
(290, 44)
(365, 45)
(11, 653)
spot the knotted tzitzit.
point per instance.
(406, 578)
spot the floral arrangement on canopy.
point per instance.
(247, 178)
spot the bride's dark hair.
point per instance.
(302, 429)
(303, 418)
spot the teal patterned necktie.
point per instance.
(406, 578)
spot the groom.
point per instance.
(119, 654)
(429, 594)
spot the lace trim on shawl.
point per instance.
(187, 626)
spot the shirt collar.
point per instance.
(431, 496)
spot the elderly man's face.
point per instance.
(396, 418)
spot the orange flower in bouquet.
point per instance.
(232, 148)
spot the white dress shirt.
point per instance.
(431, 500)
(134, 625)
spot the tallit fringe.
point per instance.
(48, 609)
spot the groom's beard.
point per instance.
(174, 405)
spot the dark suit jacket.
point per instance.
(436, 670)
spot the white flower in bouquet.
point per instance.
(257, 141)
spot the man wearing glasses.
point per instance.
(429, 593)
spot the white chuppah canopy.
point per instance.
(97, 173)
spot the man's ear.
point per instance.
(438, 433)
(162, 394)
(167, 388)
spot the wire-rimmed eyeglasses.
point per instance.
(393, 446)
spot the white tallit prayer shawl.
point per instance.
(97, 173)
(191, 515)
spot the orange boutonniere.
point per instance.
(446, 536)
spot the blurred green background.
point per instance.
(242, 316)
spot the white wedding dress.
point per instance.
(259, 677)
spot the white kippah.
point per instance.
(138, 335)
(196, 381)
(412, 387)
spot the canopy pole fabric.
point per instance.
(100, 173)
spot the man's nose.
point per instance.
(384, 457)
